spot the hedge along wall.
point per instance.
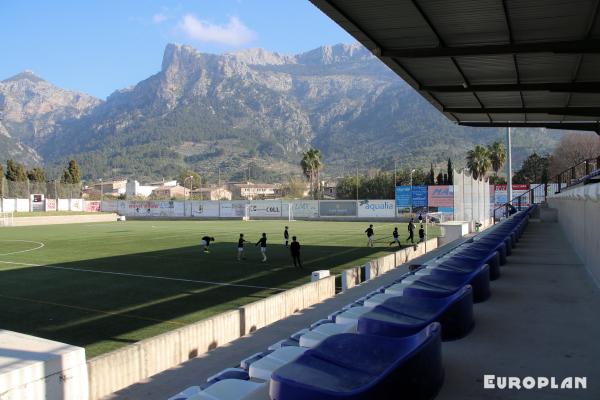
(120, 368)
(379, 266)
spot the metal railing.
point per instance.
(569, 177)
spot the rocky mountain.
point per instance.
(252, 109)
(30, 109)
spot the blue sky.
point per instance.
(103, 45)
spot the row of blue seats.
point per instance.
(384, 345)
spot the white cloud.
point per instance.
(159, 18)
(234, 33)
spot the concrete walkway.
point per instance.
(542, 320)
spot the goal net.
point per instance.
(6, 219)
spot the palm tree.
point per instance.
(497, 155)
(311, 166)
(478, 162)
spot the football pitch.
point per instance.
(105, 285)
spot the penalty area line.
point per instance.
(145, 276)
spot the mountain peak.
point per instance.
(261, 57)
(27, 74)
(339, 53)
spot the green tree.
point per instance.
(478, 162)
(184, 179)
(497, 156)
(72, 174)
(36, 174)
(311, 166)
(15, 172)
(533, 170)
(431, 176)
(450, 172)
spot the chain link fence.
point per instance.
(52, 189)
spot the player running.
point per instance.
(286, 236)
(263, 246)
(370, 233)
(240, 248)
(395, 235)
(206, 242)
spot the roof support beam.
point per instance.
(568, 87)
(574, 126)
(571, 47)
(577, 111)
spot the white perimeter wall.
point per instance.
(579, 218)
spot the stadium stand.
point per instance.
(385, 343)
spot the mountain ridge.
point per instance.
(251, 108)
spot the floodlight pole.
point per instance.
(357, 184)
(394, 189)
(411, 191)
(101, 190)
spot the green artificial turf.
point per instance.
(51, 291)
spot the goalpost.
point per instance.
(291, 212)
(246, 216)
(6, 219)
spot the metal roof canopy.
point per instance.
(522, 63)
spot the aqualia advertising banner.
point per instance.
(337, 208)
(236, 208)
(265, 208)
(305, 208)
(517, 190)
(376, 208)
(205, 208)
(441, 197)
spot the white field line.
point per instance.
(143, 276)
(40, 245)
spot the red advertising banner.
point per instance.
(440, 196)
(50, 204)
(91, 206)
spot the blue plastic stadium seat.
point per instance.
(356, 367)
(406, 315)
(443, 282)
(467, 262)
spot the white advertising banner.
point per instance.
(376, 208)
(205, 208)
(8, 205)
(63, 204)
(236, 208)
(305, 209)
(76, 205)
(265, 208)
(151, 208)
(22, 205)
(178, 208)
(110, 206)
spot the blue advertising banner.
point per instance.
(402, 196)
(419, 196)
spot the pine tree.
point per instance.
(36, 174)
(450, 179)
(431, 176)
(72, 174)
(15, 172)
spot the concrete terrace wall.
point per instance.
(579, 218)
(379, 266)
(63, 219)
(120, 368)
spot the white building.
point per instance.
(134, 188)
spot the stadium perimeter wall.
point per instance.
(579, 218)
(118, 369)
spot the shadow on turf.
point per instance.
(84, 308)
